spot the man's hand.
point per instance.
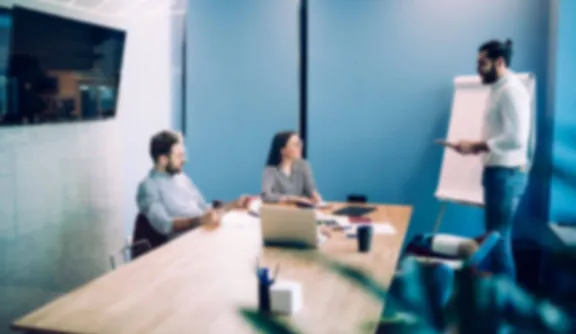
(211, 217)
(242, 202)
(467, 147)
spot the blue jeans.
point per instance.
(503, 188)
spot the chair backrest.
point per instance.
(125, 254)
(420, 245)
(143, 230)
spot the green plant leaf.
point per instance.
(564, 259)
(266, 323)
(361, 279)
(377, 290)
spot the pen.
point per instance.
(276, 271)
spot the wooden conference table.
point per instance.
(199, 282)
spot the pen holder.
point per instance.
(285, 297)
(264, 283)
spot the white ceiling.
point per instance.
(125, 7)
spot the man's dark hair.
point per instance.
(495, 49)
(278, 143)
(161, 144)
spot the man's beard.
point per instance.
(173, 170)
(490, 77)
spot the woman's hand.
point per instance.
(298, 200)
(242, 202)
(316, 198)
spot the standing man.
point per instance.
(505, 145)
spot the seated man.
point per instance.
(168, 198)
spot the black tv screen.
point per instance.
(5, 25)
(59, 69)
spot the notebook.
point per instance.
(354, 211)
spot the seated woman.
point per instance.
(287, 177)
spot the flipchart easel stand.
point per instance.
(442, 210)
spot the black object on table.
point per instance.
(364, 234)
(356, 198)
(354, 211)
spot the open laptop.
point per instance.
(289, 227)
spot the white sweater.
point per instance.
(507, 124)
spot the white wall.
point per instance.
(146, 105)
(67, 190)
(178, 26)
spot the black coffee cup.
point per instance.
(364, 235)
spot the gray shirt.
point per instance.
(162, 198)
(276, 184)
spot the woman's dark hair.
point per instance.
(278, 143)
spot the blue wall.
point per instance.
(564, 158)
(381, 88)
(242, 87)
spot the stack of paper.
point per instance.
(239, 219)
(377, 228)
(254, 206)
(341, 221)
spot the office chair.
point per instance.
(125, 254)
(143, 230)
(470, 252)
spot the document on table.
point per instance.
(239, 219)
(254, 206)
(377, 228)
(344, 223)
(341, 221)
(322, 205)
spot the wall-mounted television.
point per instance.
(5, 25)
(58, 69)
